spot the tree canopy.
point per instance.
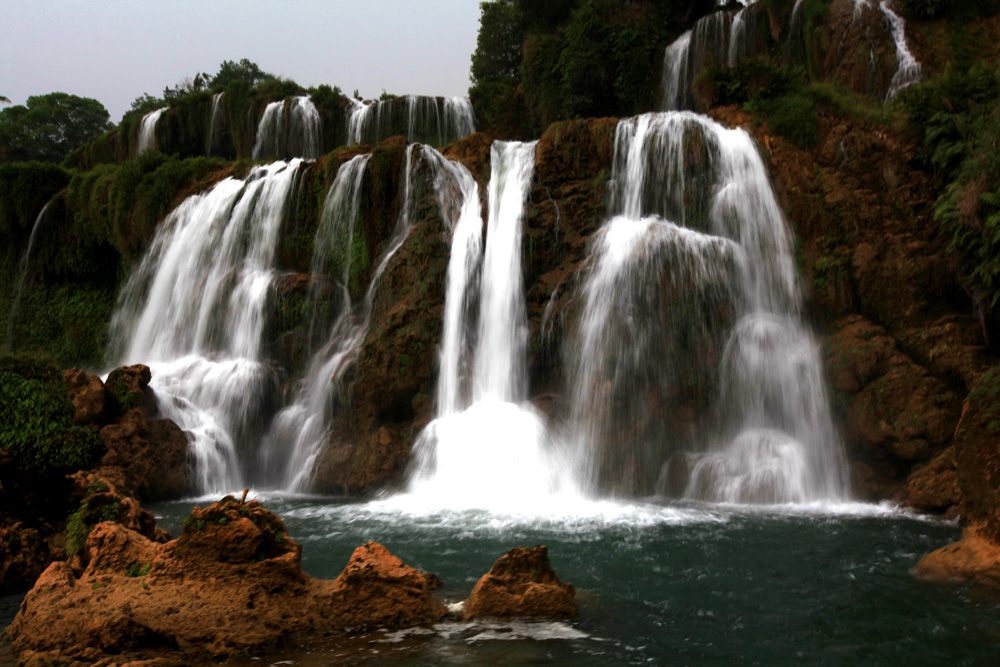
(498, 47)
(49, 127)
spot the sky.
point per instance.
(114, 51)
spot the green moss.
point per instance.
(76, 533)
(137, 569)
(36, 419)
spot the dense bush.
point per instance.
(36, 419)
(25, 188)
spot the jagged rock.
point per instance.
(23, 555)
(151, 452)
(521, 584)
(126, 387)
(231, 583)
(88, 396)
(973, 558)
(977, 455)
(934, 487)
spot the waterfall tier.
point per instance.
(435, 121)
(289, 128)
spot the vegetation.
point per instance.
(48, 127)
(36, 419)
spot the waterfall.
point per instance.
(193, 310)
(908, 70)
(430, 120)
(719, 39)
(289, 128)
(486, 448)
(692, 298)
(146, 137)
(22, 274)
(214, 121)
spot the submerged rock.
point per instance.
(521, 584)
(231, 583)
(973, 558)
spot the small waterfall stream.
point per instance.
(430, 120)
(22, 274)
(146, 136)
(214, 124)
(289, 128)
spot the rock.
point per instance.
(973, 558)
(23, 556)
(151, 453)
(231, 584)
(521, 584)
(977, 455)
(88, 396)
(934, 487)
(126, 387)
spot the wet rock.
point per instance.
(521, 584)
(87, 393)
(231, 584)
(934, 487)
(973, 558)
(126, 388)
(150, 452)
(23, 555)
(977, 456)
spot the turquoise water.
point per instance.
(687, 584)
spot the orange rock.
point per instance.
(973, 558)
(521, 584)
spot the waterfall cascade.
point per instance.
(301, 429)
(214, 124)
(146, 137)
(430, 120)
(693, 297)
(289, 128)
(193, 310)
(486, 448)
(908, 70)
(22, 274)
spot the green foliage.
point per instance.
(36, 419)
(25, 187)
(137, 569)
(498, 45)
(793, 116)
(76, 533)
(245, 71)
(50, 126)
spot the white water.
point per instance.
(289, 128)
(22, 274)
(193, 310)
(434, 121)
(664, 299)
(490, 450)
(146, 137)
(908, 70)
(214, 122)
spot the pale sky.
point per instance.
(115, 50)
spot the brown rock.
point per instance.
(23, 556)
(88, 396)
(126, 387)
(934, 487)
(151, 453)
(973, 558)
(521, 584)
(232, 583)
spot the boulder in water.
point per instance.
(521, 584)
(231, 583)
(973, 558)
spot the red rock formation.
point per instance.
(521, 584)
(973, 558)
(231, 583)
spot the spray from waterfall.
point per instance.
(146, 137)
(289, 128)
(193, 310)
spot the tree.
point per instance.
(244, 70)
(49, 127)
(498, 46)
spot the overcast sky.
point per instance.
(116, 50)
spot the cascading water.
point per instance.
(722, 38)
(430, 120)
(289, 128)
(214, 123)
(146, 137)
(692, 304)
(193, 310)
(486, 448)
(22, 274)
(908, 70)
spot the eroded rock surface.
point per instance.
(521, 584)
(231, 583)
